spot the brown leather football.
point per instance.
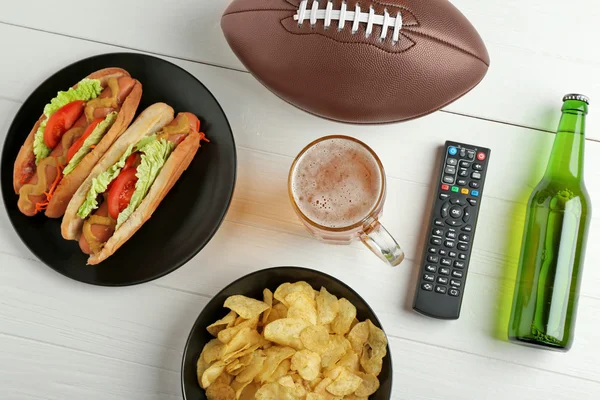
(368, 61)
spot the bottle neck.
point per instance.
(566, 159)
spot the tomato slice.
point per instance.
(121, 190)
(61, 121)
(133, 160)
(79, 142)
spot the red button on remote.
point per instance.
(445, 187)
(481, 156)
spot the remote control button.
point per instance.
(459, 264)
(429, 278)
(452, 150)
(457, 201)
(462, 182)
(451, 254)
(466, 215)
(449, 244)
(437, 232)
(446, 261)
(444, 271)
(442, 252)
(470, 154)
(453, 222)
(454, 292)
(455, 189)
(475, 193)
(468, 228)
(457, 274)
(481, 156)
(440, 289)
(472, 202)
(450, 169)
(463, 172)
(432, 250)
(476, 175)
(445, 187)
(474, 185)
(448, 179)
(436, 241)
(464, 164)
(477, 167)
(463, 152)
(464, 237)
(444, 196)
(438, 222)
(455, 283)
(433, 259)
(456, 212)
(462, 256)
(462, 247)
(464, 191)
(451, 161)
(445, 209)
(430, 268)
(451, 235)
(427, 286)
(442, 280)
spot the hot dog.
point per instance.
(75, 130)
(127, 185)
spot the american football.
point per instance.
(357, 61)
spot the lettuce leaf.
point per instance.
(154, 155)
(92, 140)
(101, 182)
(87, 89)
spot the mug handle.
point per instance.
(379, 240)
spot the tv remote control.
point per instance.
(445, 262)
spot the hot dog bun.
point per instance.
(26, 158)
(148, 122)
(178, 162)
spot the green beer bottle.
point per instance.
(553, 248)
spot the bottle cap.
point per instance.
(575, 96)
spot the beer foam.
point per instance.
(336, 183)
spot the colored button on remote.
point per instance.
(475, 193)
(452, 150)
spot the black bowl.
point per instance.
(186, 219)
(252, 285)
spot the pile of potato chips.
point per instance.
(297, 343)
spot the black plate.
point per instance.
(252, 285)
(189, 215)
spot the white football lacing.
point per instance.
(356, 17)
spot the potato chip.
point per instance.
(315, 396)
(268, 300)
(253, 368)
(245, 307)
(345, 316)
(286, 332)
(274, 356)
(274, 391)
(234, 367)
(302, 307)
(320, 388)
(374, 350)
(245, 339)
(238, 388)
(287, 381)
(249, 391)
(227, 334)
(211, 350)
(286, 288)
(220, 391)
(358, 336)
(281, 370)
(307, 363)
(355, 397)
(350, 361)
(327, 306)
(223, 378)
(201, 366)
(315, 338)
(221, 324)
(369, 385)
(346, 383)
(336, 348)
(212, 373)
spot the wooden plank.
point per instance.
(534, 61)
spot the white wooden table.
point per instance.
(60, 339)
